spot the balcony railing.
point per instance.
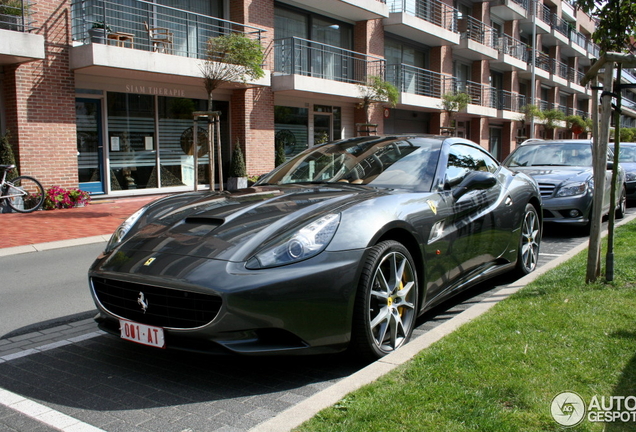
(480, 94)
(17, 16)
(510, 101)
(296, 56)
(513, 47)
(418, 81)
(479, 32)
(575, 76)
(433, 11)
(560, 25)
(543, 61)
(125, 24)
(560, 69)
(543, 13)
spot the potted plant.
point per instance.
(99, 32)
(238, 174)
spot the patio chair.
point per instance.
(160, 38)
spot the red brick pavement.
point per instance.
(100, 217)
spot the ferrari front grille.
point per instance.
(157, 306)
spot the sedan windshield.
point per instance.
(380, 162)
(551, 155)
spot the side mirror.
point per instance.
(475, 180)
(610, 166)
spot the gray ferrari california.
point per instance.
(343, 246)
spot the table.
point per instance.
(120, 39)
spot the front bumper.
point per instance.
(557, 210)
(295, 309)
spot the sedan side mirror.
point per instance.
(610, 166)
(475, 180)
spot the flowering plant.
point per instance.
(57, 198)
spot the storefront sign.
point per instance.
(152, 90)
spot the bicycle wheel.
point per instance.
(26, 194)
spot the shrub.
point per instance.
(59, 198)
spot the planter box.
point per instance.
(234, 183)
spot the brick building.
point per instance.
(101, 93)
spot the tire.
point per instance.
(25, 203)
(386, 302)
(621, 206)
(529, 241)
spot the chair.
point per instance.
(160, 38)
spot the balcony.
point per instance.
(509, 10)
(17, 43)
(114, 37)
(478, 40)
(560, 72)
(419, 87)
(513, 54)
(430, 22)
(511, 101)
(304, 65)
(354, 10)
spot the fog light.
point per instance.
(574, 213)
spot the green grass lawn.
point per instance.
(501, 371)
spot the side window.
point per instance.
(462, 159)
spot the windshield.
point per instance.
(551, 155)
(380, 162)
(627, 153)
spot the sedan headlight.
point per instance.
(573, 189)
(120, 233)
(299, 245)
(630, 176)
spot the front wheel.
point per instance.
(529, 241)
(25, 194)
(386, 301)
(621, 207)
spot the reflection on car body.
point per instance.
(341, 247)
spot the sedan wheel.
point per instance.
(621, 208)
(529, 241)
(386, 301)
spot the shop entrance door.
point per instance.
(322, 128)
(90, 160)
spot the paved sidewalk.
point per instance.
(100, 218)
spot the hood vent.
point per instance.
(197, 226)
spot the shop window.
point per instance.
(292, 129)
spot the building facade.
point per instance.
(103, 94)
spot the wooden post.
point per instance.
(600, 166)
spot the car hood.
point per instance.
(556, 175)
(233, 226)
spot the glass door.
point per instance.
(322, 128)
(90, 161)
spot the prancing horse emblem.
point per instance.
(141, 301)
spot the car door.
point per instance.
(475, 213)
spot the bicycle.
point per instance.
(23, 194)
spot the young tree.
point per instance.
(453, 103)
(376, 90)
(230, 58)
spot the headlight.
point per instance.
(120, 233)
(573, 189)
(299, 245)
(630, 177)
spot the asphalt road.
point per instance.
(43, 289)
